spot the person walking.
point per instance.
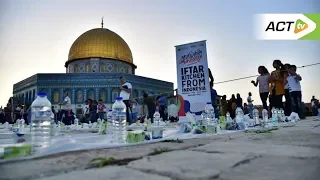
(263, 82)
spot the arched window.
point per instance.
(76, 68)
(34, 95)
(69, 93)
(88, 69)
(114, 95)
(55, 98)
(91, 94)
(135, 93)
(103, 68)
(79, 94)
(103, 95)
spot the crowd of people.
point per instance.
(283, 81)
(93, 109)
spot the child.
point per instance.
(263, 82)
(294, 87)
(101, 109)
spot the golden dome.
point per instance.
(100, 43)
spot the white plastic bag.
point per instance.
(294, 117)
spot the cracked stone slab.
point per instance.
(275, 168)
(299, 137)
(114, 172)
(259, 149)
(70, 161)
(187, 165)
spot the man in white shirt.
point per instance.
(125, 91)
(294, 87)
(65, 108)
(250, 104)
(85, 111)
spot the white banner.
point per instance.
(193, 78)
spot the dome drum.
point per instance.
(100, 65)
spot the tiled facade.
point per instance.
(81, 86)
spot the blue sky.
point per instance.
(35, 37)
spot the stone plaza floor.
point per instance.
(290, 153)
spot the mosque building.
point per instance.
(96, 60)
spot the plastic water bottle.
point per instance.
(274, 117)
(20, 123)
(109, 122)
(59, 126)
(282, 115)
(98, 122)
(228, 117)
(52, 127)
(40, 122)
(76, 123)
(109, 116)
(119, 120)
(255, 115)
(6, 126)
(209, 113)
(239, 118)
(156, 118)
(265, 117)
(239, 113)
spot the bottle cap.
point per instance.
(208, 102)
(42, 94)
(110, 110)
(119, 98)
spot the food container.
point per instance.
(135, 136)
(157, 132)
(8, 151)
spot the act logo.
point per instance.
(287, 26)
